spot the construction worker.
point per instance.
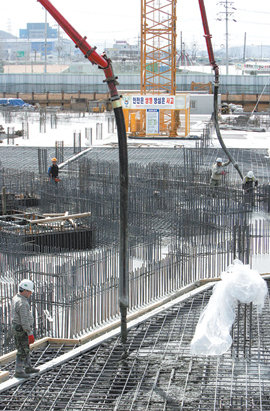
(248, 185)
(217, 172)
(53, 171)
(249, 182)
(22, 326)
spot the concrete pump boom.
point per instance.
(104, 63)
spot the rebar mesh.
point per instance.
(180, 231)
(155, 371)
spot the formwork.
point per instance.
(45, 234)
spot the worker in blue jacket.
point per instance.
(53, 171)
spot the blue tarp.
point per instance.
(14, 102)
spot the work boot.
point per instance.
(28, 367)
(19, 369)
(31, 370)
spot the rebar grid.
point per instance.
(155, 371)
(180, 231)
(49, 351)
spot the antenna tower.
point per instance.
(157, 111)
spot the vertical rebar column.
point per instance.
(53, 121)
(4, 201)
(88, 136)
(99, 133)
(77, 142)
(25, 129)
(242, 331)
(10, 132)
(110, 124)
(7, 115)
(59, 151)
(42, 121)
(42, 160)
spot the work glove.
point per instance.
(31, 339)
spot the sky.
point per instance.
(104, 21)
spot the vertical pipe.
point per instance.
(227, 37)
(45, 43)
(244, 50)
(123, 254)
(4, 201)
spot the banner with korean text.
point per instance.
(166, 102)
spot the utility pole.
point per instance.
(227, 38)
(45, 43)
(181, 47)
(244, 51)
(226, 15)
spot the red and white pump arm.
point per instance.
(104, 63)
(214, 65)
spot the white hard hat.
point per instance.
(219, 160)
(27, 285)
(250, 174)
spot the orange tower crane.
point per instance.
(158, 56)
(158, 46)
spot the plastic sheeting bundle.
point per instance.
(238, 284)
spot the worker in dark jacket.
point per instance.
(22, 326)
(248, 185)
(249, 182)
(53, 171)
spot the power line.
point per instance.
(254, 11)
(252, 22)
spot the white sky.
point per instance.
(104, 21)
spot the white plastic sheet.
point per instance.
(238, 283)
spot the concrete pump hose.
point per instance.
(220, 139)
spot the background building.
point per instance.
(37, 30)
(34, 43)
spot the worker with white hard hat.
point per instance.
(248, 185)
(217, 172)
(22, 325)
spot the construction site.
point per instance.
(128, 247)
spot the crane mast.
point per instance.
(158, 46)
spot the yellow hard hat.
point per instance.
(54, 159)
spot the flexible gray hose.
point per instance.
(220, 139)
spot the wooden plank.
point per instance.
(59, 218)
(11, 355)
(4, 376)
